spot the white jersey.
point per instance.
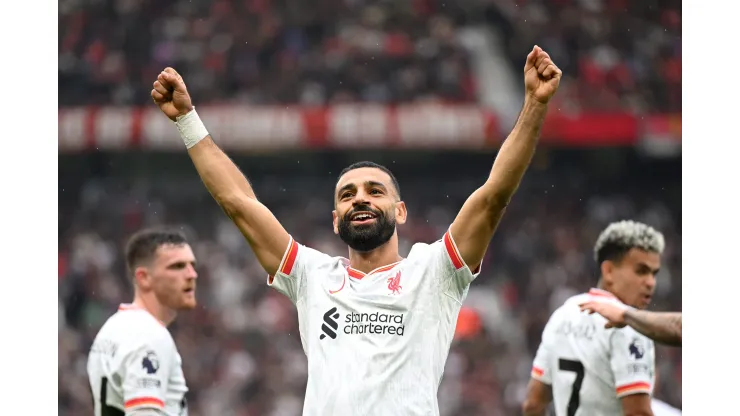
(589, 367)
(661, 408)
(134, 364)
(376, 343)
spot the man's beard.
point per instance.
(366, 237)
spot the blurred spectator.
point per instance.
(262, 51)
(615, 54)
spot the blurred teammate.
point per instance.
(662, 327)
(134, 367)
(376, 327)
(585, 368)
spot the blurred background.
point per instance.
(295, 91)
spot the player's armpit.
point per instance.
(478, 218)
(232, 191)
(637, 405)
(539, 396)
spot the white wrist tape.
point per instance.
(191, 129)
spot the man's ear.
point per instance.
(335, 221)
(401, 213)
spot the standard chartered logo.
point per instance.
(361, 323)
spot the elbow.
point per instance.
(498, 195)
(233, 204)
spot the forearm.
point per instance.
(221, 176)
(663, 327)
(534, 412)
(516, 153)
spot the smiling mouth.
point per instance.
(362, 217)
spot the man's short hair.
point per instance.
(142, 246)
(620, 237)
(368, 164)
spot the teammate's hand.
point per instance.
(541, 75)
(171, 95)
(612, 311)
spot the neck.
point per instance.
(149, 303)
(604, 287)
(379, 257)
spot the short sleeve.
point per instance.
(455, 276)
(146, 371)
(632, 362)
(290, 277)
(541, 366)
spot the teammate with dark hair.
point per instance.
(133, 366)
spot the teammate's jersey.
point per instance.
(661, 408)
(589, 367)
(134, 364)
(376, 343)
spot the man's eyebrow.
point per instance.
(375, 183)
(346, 187)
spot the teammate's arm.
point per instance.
(637, 405)
(539, 396)
(145, 374)
(632, 361)
(539, 390)
(223, 179)
(477, 220)
(663, 327)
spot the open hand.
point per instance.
(613, 312)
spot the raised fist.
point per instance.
(541, 75)
(171, 95)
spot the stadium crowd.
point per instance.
(241, 349)
(615, 54)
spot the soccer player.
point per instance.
(376, 327)
(584, 368)
(134, 367)
(662, 327)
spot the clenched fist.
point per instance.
(541, 75)
(171, 95)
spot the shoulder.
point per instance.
(138, 328)
(309, 256)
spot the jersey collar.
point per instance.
(356, 274)
(133, 307)
(600, 292)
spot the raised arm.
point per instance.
(477, 220)
(223, 179)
